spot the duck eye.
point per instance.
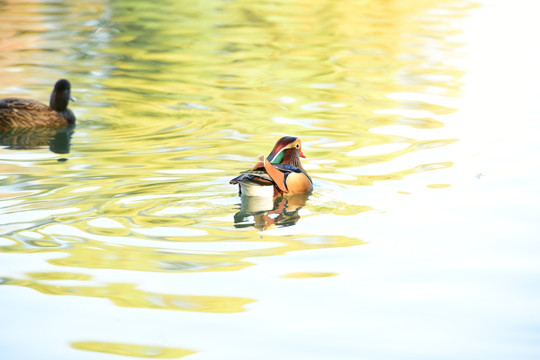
(297, 146)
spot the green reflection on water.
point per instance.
(175, 98)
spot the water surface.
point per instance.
(122, 237)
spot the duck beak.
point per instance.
(302, 155)
(72, 98)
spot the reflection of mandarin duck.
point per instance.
(31, 113)
(280, 173)
(282, 211)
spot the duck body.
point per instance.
(26, 113)
(281, 173)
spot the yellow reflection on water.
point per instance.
(140, 351)
(210, 254)
(58, 276)
(308, 275)
(153, 255)
(171, 107)
(438, 186)
(329, 68)
(126, 295)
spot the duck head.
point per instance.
(288, 150)
(60, 95)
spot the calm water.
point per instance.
(122, 238)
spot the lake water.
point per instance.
(122, 238)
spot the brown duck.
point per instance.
(279, 173)
(31, 113)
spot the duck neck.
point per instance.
(59, 100)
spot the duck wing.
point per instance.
(287, 178)
(22, 104)
(259, 176)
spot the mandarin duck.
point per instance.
(279, 173)
(30, 113)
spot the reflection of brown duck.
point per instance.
(30, 113)
(280, 173)
(58, 139)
